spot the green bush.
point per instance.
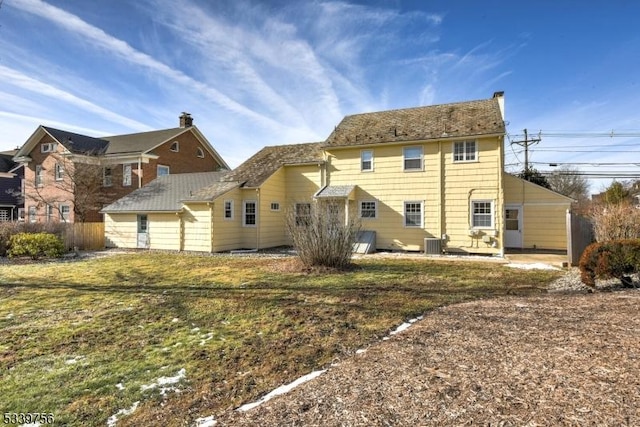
(35, 245)
(612, 259)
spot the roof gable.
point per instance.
(253, 172)
(77, 143)
(462, 119)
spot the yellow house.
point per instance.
(420, 179)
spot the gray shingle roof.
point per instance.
(461, 119)
(140, 142)
(263, 164)
(77, 143)
(164, 193)
(335, 192)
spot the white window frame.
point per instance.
(59, 172)
(405, 217)
(65, 213)
(275, 206)
(49, 210)
(163, 167)
(174, 147)
(127, 174)
(474, 216)
(228, 211)
(48, 147)
(21, 214)
(361, 210)
(246, 214)
(405, 158)
(199, 153)
(107, 177)
(39, 181)
(32, 214)
(363, 161)
(464, 155)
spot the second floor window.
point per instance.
(59, 172)
(366, 160)
(163, 170)
(412, 158)
(464, 151)
(126, 175)
(38, 179)
(107, 177)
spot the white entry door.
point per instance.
(143, 232)
(513, 226)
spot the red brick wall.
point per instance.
(183, 161)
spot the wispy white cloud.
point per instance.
(20, 80)
(121, 49)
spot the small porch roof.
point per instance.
(336, 192)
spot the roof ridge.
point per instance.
(422, 106)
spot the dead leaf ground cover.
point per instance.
(559, 359)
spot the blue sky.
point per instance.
(257, 73)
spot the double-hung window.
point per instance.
(32, 214)
(413, 216)
(303, 214)
(38, 179)
(65, 211)
(368, 209)
(482, 214)
(465, 151)
(412, 158)
(366, 160)
(126, 174)
(249, 213)
(107, 177)
(59, 172)
(228, 209)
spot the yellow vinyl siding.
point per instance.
(302, 182)
(196, 223)
(441, 183)
(272, 223)
(228, 234)
(121, 230)
(544, 213)
(164, 231)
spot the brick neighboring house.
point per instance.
(69, 177)
(11, 175)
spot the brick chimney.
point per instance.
(186, 121)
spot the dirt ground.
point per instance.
(560, 359)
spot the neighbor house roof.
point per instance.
(164, 194)
(253, 172)
(140, 142)
(77, 143)
(462, 119)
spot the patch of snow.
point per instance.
(120, 386)
(281, 390)
(31, 425)
(175, 320)
(206, 338)
(196, 329)
(533, 266)
(205, 422)
(401, 328)
(73, 360)
(9, 316)
(163, 382)
(360, 351)
(113, 419)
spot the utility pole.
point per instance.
(525, 143)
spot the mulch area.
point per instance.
(560, 359)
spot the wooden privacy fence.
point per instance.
(84, 236)
(579, 236)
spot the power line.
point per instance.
(525, 143)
